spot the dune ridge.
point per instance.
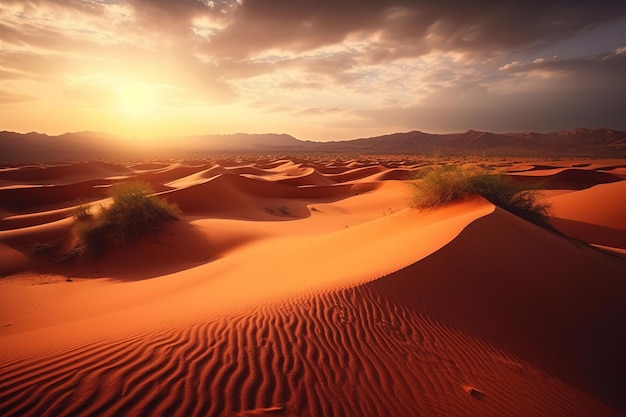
(307, 286)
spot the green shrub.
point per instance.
(444, 184)
(134, 212)
(91, 237)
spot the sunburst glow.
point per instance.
(137, 99)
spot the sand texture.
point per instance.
(308, 286)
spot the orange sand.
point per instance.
(308, 287)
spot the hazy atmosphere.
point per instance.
(318, 70)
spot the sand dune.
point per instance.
(594, 215)
(307, 287)
(569, 178)
(169, 173)
(58, 174)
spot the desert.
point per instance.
(312, 208)
(310, 285)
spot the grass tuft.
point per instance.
(134, 212)
(445, 184)
(82, 212)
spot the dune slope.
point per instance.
(435, 338)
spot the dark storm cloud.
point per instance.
(598, 68)
(579, 92)
(387, 30)
(407, 28)
(391, 29)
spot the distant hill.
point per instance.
(35, 147)
(579, 142)
(38, 147)
(238, 142)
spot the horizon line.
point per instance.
(120, 136)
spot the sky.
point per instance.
(316, 69)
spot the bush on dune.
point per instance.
(134, 212)
(82, 212)
(445, 184)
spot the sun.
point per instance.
(137, 99)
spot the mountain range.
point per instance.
(36, 147)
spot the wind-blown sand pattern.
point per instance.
(309, 287)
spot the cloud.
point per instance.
(91, 7)
(605, 64)
(176, 18)
(396, 29)
(319, 111)
(591, 95)
(346, 42)
(408, 64)
(10, 98)
(236, 35)
(302, 85)
(57, 42)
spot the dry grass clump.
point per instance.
(82, 212)
(134, 212)
(443, 184)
